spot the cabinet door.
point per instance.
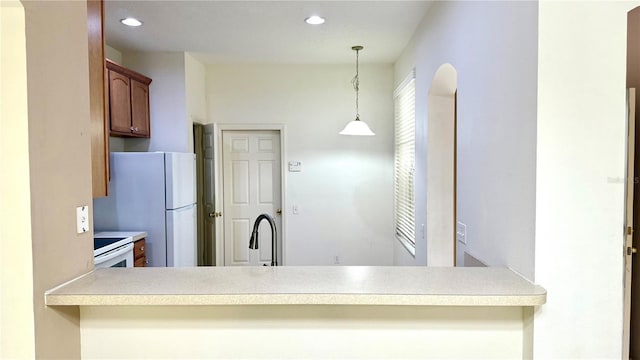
(140, 109)
(139, 249)
(119, 103)
(140, 262)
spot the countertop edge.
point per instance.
(296, 299)
(135, 235)
(367, 286)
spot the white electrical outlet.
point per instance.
(461, 232)
(82, 219)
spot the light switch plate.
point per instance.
(295, 166)
(82, 219)
(461, 232)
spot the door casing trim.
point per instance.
(217, 130)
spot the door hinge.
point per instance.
(629, 230)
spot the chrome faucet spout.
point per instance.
(253, 241)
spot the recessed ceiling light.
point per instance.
(314, 20)
(131, 21)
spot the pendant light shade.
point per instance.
(357, 127)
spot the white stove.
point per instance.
(112, 251)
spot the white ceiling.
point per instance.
(267, 31)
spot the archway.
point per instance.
(441, 167)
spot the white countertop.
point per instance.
(308, 285)
(136, 235)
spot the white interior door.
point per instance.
(251, 186)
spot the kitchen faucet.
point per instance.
(253, 242)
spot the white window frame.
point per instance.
(404, 163)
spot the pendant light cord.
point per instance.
(357, 127)
(356, 84)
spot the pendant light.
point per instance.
(357, 126)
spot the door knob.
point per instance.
(279, 211)
(212, 214)
(631, 250)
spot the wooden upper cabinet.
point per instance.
(128, 102)
(140, 108)
(120, 102)
(97, 118)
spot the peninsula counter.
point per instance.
(303, 312)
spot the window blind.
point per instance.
(404, 164)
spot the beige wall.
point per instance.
(177, 100)
(170, 127)
(59, 163)
(440, 225)
(113, 54)
(195, 74)
(496, 127)
(17, 331)
(580, 182)
(344, 192)
(303, 332)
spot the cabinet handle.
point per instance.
(141, 248)
(131, 128)
(136, 130)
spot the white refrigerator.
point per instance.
(153, 192)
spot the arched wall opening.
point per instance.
(441, 167)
